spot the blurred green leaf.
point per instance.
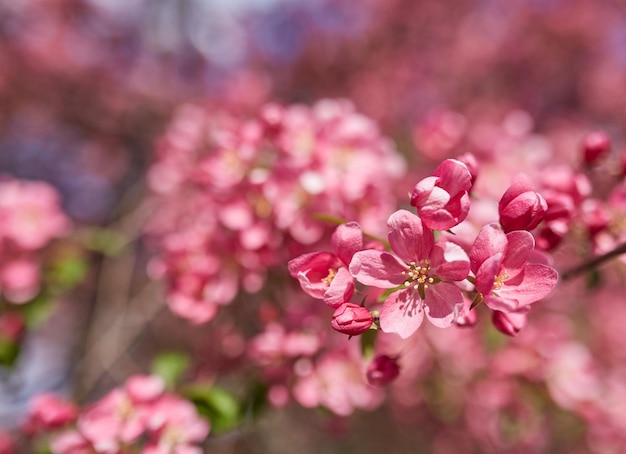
(216, 404)
(9, 352)
(36, 311)
(68, 272)
(368, 339)
(170, 366)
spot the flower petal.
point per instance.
(487, 273)
(490, 241)
(454, 176)
(402, 313)
(449, 261)
(378, 269)
(443, 303)
(520, 244)
(537, 282)
(341, 288)
(347, 239)
(408, 237)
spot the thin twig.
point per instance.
(593, 263)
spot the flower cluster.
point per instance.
(235, 194)
(141, 413)
(30, 217)
(427, 275)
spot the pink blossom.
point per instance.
(509, 323)
(382, 370)
(504, 277)
(520, 207)
(47, 411)
(7, 445)
(31, 213)
(351, 319)
(324, 275)
(19, 279)
(442, 200)
(419, 270)
(70, 442)
(596, 145)
(175, 427)
(337, 382)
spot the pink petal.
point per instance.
(521, 183)
(347, 239)
(537, 282)
(311, 268)
(402, 313)
(421, 191)
(449, 261)
(378, 269)
(487, 273)
(341, 288)
(454, 176)
(408, 237)
(491, 240)
(443, 303)
(520, 245)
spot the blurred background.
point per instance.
(88, 88)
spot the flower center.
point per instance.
(498, 282)
(417, 274)
(331, 275)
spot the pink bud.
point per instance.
(520, 207)
(11, 326)
(382, 370)
(509, 323)
(351, 319)
(596, 145)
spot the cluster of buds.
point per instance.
(438, 276)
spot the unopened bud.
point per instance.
(509, 323)
(520, 207)
(382, 370)
(351, 319)
(596, 145)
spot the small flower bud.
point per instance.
(508, 323)
(382, 370)
(520, 207)
(351, 319)
(596, 145)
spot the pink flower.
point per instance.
(509, 323)
(419, 267)
(324, 275)
(504, 277)
(351, 319)
(520, 207)
(442, 200)
(47, 411)
(596, 145)
(176, 426)
(382, 371)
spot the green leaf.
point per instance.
(69, 271)
(9, 352)
(216, 404)
(170, 366)
(368, 340)
(383, 296)
(36, 311)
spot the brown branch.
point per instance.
(593, 263)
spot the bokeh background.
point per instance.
(88, 88)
